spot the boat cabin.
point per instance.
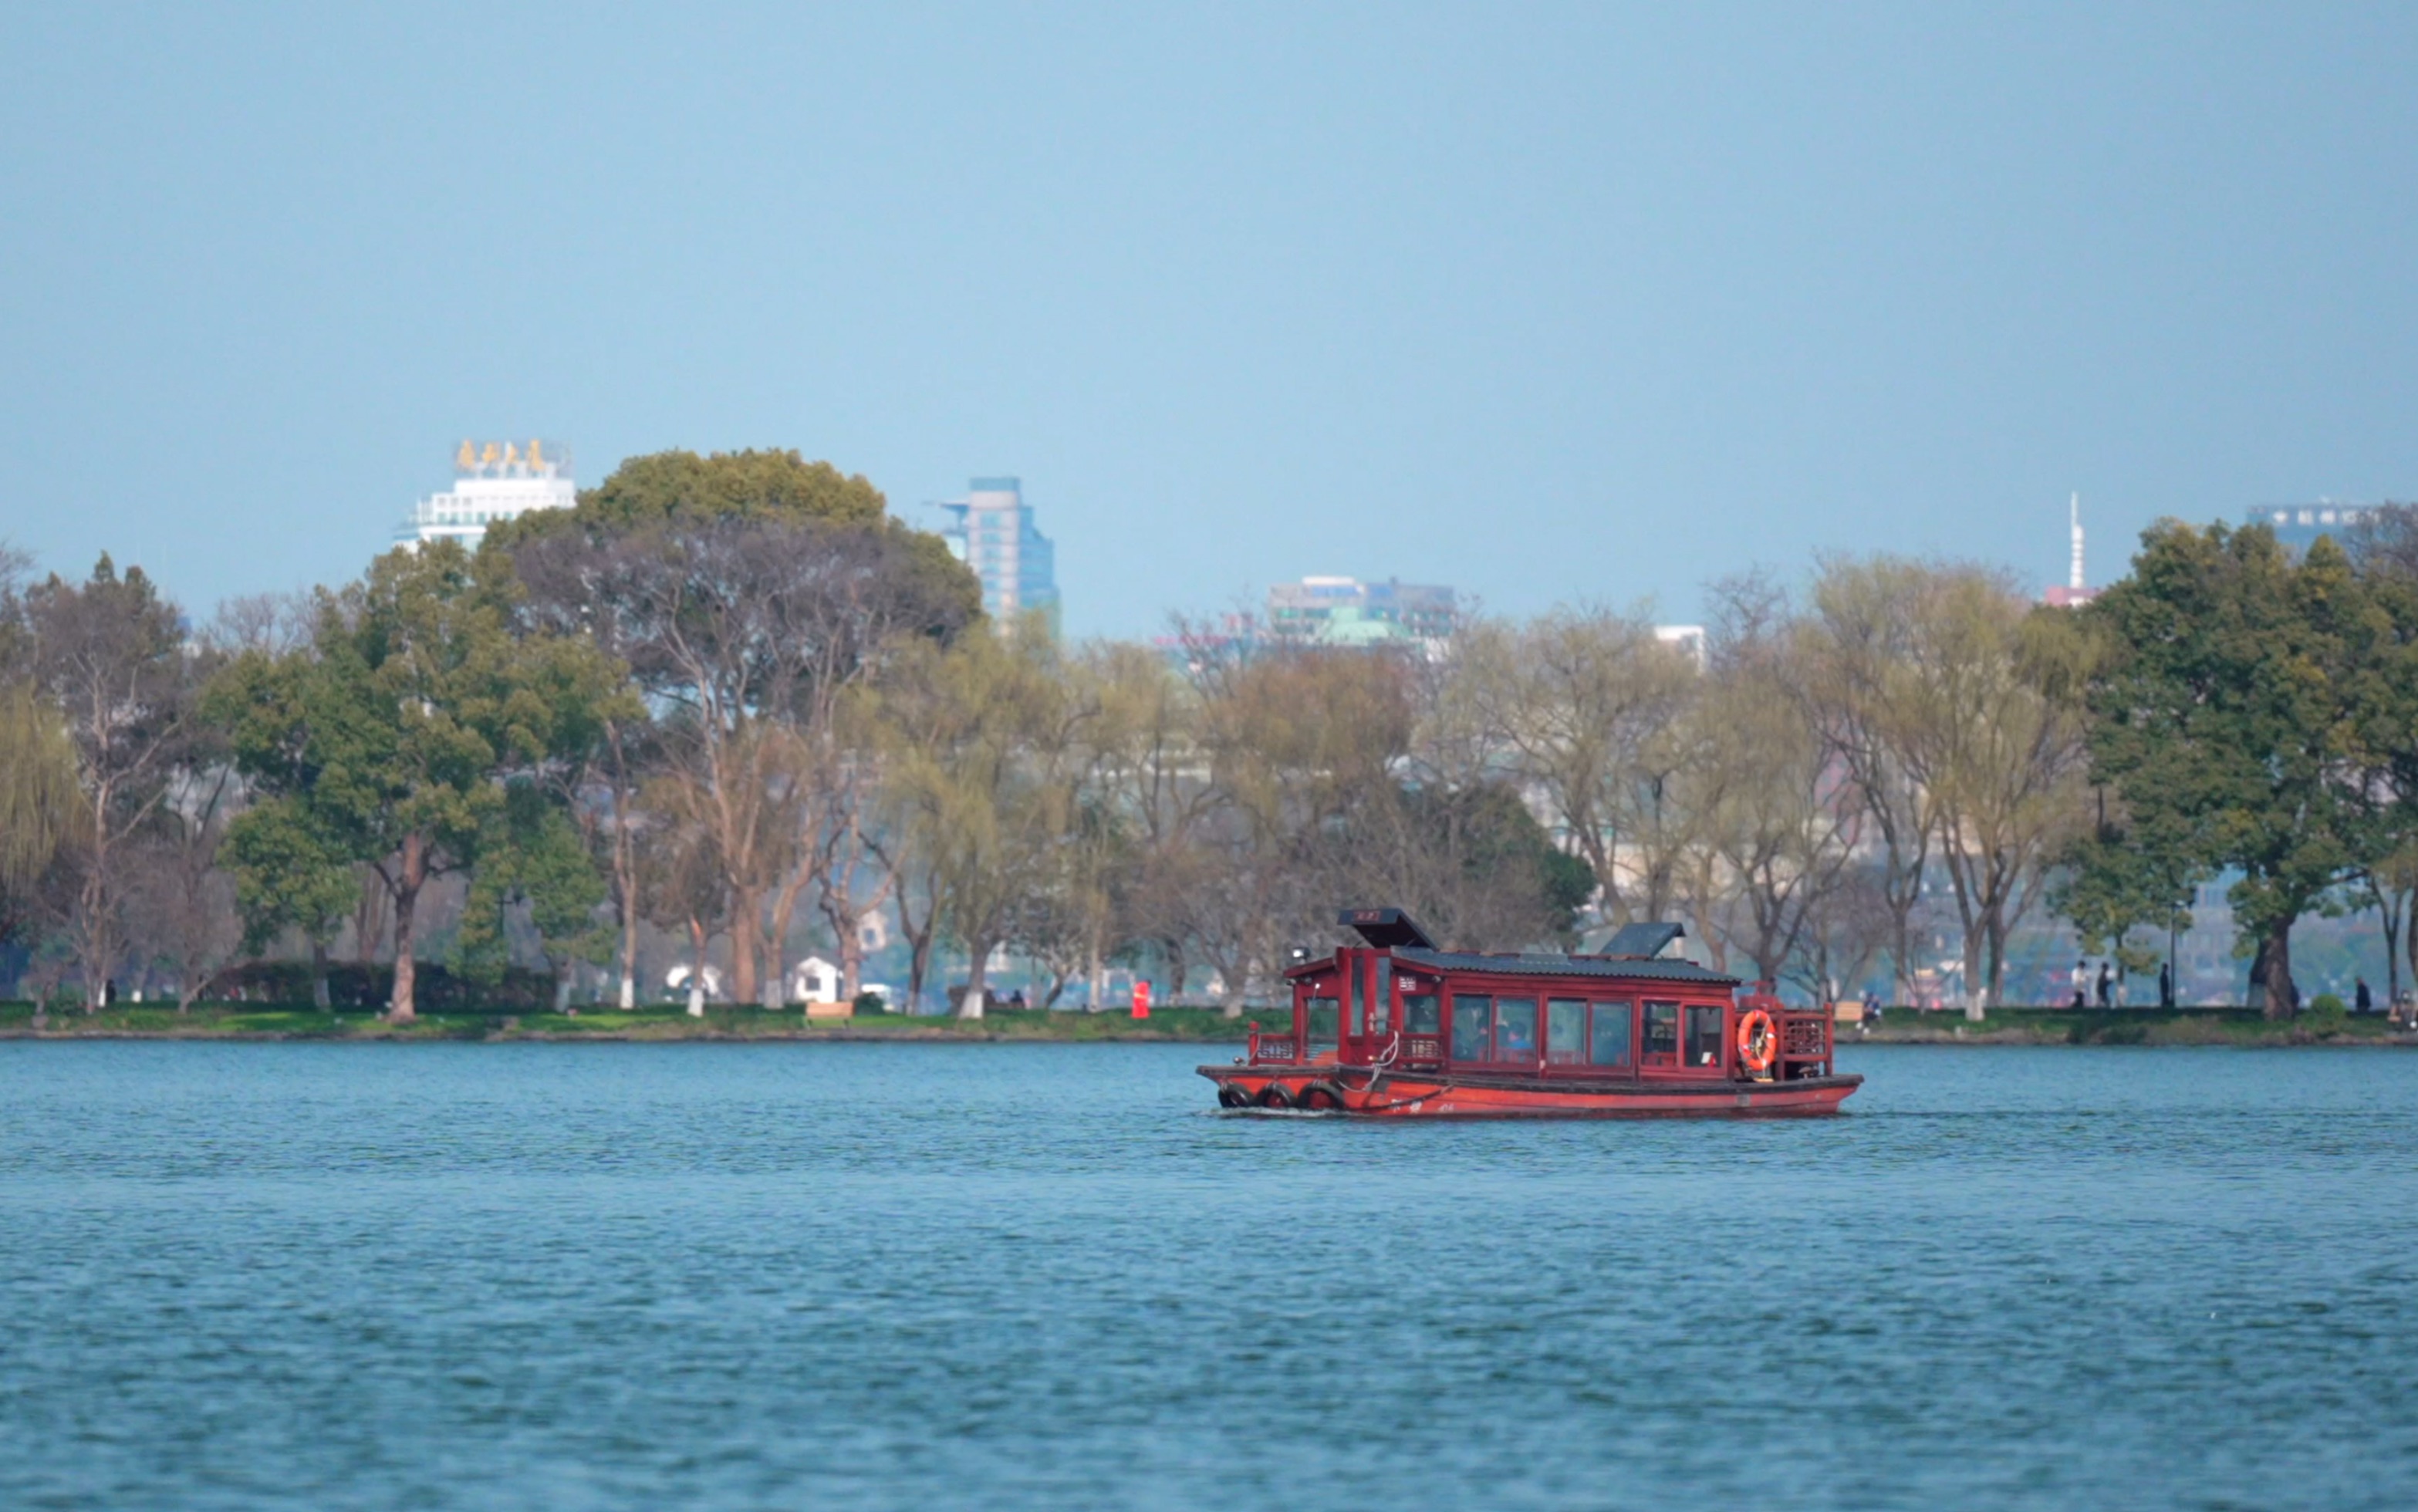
(1632, 1012)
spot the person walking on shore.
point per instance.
(2363, 997)
(2166, 985)
(2082, 983)
(2106, 985)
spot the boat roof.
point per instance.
(1634, 953)
(1631, 968)
(1646, 938)
(1386, 929)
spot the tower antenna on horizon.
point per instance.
(2075, 579)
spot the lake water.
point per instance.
(867, 1276)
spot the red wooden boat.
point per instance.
(1398, 1029)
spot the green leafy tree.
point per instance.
(766, 484)
(2224, 717)
(534, 861)
(399, 726)
(291, 872)
(2120, 876)
(2384, 550)
(1493, 873)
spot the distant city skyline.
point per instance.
(994, 531)
(1333, 610)
(1554, 303)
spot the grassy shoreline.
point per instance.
(1201, 1026)
(669, 1022)
(2243, 1027)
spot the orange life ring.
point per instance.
(1758, 1042)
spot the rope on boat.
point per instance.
(1378, 1067)
(1402, 1102)
(1377, 1070)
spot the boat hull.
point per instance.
(1436, 1094)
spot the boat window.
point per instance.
(1422, 1014)
(1662, 1030)
(1323, 1011)
(1610, 1042)
(1515, 1029)
(1564, 1031)
(1703, 1035)
(1470, 1016)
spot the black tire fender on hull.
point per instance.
(1230, 1095)
(1320, 1097)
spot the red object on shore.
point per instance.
(1398, 1029)
(1141, 999)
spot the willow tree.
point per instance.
(40, 796)
(1779, 823)
(1587, 704)
(1984, 710)
(38, 765)
(1296, 742)
(985, 757)
(1862, 629)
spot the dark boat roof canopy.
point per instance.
(1386, 929)
(1632, 969)
(1635, 952)
(1643, 940)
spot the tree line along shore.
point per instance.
(2246, 1028)
(727, 709)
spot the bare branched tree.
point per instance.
(109, 656)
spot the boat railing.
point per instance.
(1805, 1045)
(1267, 1049)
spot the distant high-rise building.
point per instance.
(492, 481)
(1345, 611)
(2298, 526)
(992, 532)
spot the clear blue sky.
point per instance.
(1546, 302)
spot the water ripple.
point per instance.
(1041, 1275)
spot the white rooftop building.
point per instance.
(1689, 640)
(492, 481)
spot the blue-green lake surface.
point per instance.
(976, 1275)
